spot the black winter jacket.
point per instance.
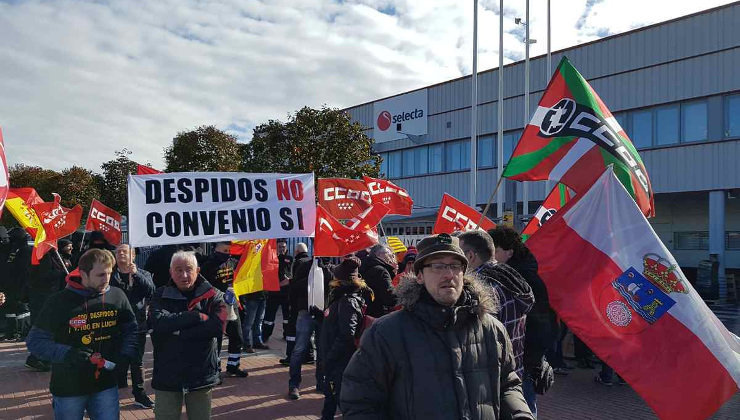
(185, 335)
(342, 318)
(298, 292)
(379, 276)
(542, 326)
(139, 294)
(429, 361)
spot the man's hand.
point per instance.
(76, 356)
(2, 298)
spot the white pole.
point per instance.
(474, 112)
(525, 190)
(500, 135)
(548, 184)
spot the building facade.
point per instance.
(675, 89)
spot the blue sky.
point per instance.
(82, 79)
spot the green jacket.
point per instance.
(428, 361)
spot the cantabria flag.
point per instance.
(618, 288)
(573, 137)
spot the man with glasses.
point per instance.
(443, 355)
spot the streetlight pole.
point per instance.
(525, 190)
(500, 106)
(474, 112)
(548, 184)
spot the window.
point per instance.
(642, 129)
(422, 160)
(384, 165)
(457, 155)
(621, 118)
(694, 121)
(485, 152)
(435, 157)
(691, 240)
(733, 240)
(394, 164)
(510, 139)
(666, 125)
(408, 162)
(732, 124)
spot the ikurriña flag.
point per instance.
(557, 198)
(614, 283)
(389, 195)
(454, 215)
(573, 137)
(257, 268)
(343, 198)
(106, 220)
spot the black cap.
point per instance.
(437, 245)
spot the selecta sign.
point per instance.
(404, 114)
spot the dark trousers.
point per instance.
(36, 300)
(137, 369)
(332, 390)
(555, 352)
(234, 332)
(275, 301)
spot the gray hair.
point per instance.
(301, 247)
(188, 256)
(378, 248)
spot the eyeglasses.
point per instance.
(439, 268)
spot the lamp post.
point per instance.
(527, 42)
(474, 112)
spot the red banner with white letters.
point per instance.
(336, 240)
(390, 195)
(105, 220)
(343, 198)
(454, 215)
(57, 221)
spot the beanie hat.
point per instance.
(63, 242)
(347, 270)
(442, 244)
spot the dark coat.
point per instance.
(185, 334)
(342, 319)
(379, 276)
(429, 361)
(298, 292)
(138, 294)
(542, 326)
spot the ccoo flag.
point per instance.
(618, 288)
(573, 137)
(557, 198)
(258, 268)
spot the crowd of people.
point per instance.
(457, 327)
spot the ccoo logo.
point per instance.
(384, 120)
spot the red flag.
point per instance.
(4, 178)
(389, 194)
(454, 215)
(145, 170)
(57, 221)
(343, 198)
(106, 220)
(557, 198)
(335, 240)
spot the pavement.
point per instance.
(24, 394)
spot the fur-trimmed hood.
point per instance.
(475, 294)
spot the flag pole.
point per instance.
(61, 260)
(490, 199)
(82, 241)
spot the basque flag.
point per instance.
(615, 284)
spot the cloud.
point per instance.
(81, 79)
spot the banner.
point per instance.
(258, 268)
(336, 240)
(4, 178)
(614, 283)
(454, 215)
(173, 208)
(573, 137)
(558, 197)
(343, 198)
(390, 195)
(57, 222)
(106, 220)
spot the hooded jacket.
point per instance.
(542, 326)
(76, 317)
(515, 299)
(429, 361)
(186, 330)
(379, 276)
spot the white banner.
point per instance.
(172, 208)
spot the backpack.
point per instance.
(365, 323)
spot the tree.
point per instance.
(45, 181)
(324, 141)
(201, 150)
(114, 187)
(78, 185)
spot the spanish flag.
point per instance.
(20, 202)
(258, 268)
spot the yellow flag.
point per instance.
(396, 245)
